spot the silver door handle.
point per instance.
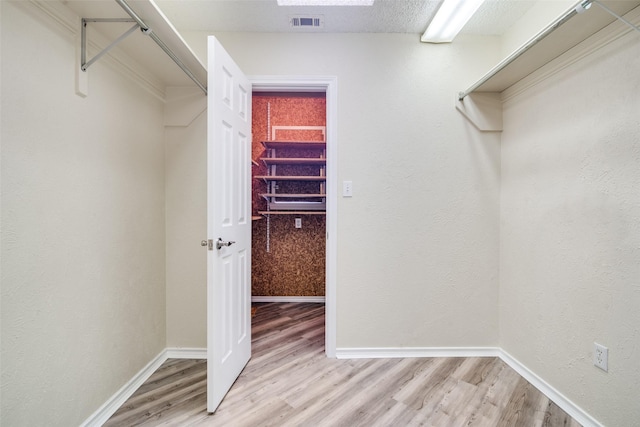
(221, 243)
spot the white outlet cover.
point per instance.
(601, 356)
(347, 188)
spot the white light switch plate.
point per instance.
(347, 188)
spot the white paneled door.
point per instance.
(228, 223)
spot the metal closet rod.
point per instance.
(148, 31)
(558, 22)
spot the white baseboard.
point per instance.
(558, 398)
(99, 417)
(287, 299)
(103, 413)
(186, 353)
(393, 352)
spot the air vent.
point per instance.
(306, 21)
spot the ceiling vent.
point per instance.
(306, 21)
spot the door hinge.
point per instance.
(207, 243)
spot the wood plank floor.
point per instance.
(290, 382)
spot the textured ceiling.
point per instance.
(385, 16)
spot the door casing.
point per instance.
(328, 85)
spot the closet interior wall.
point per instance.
(286, 261)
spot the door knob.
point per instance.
(221, 243)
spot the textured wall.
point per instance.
(418, 241)
(186, 225)
(570, 237)
(83, 297)
(294, 265)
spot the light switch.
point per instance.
(347, 188)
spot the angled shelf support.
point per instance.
(483, 110)
(165, 28)
(84, 64)
(587, 3)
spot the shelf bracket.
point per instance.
(483, 110)
(610, 12)
(84, 64)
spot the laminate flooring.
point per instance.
(290, 382)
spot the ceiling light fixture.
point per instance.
(449, 20)
(325, 2)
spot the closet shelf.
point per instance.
(293, 196)
(293, 161)
(269, 178)
(292, 213)
(152, 58)
(319, 145)
(566, 32)
(300, 191)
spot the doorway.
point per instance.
(288, 196)
(326, 89)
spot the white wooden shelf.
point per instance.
(565, 33)
(293, 196)
(312, 178)
(140, 46)
(320, 145)
(293, 161)
(309, 194)
(292, 212)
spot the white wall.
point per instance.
(570, 234)
(83, 270)
(186, 217)
(83, 222)
(418, 242)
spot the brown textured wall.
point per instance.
(295, 264)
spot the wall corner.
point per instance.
(183, 105)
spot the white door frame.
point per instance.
(328, 85)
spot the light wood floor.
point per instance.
(290, 382)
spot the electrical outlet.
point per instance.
(601, 357)
(298, 222)
(347, 188)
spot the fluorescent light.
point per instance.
(449, 20)
(325, 2)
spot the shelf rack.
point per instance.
(298, 202)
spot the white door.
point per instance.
(228, 223)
